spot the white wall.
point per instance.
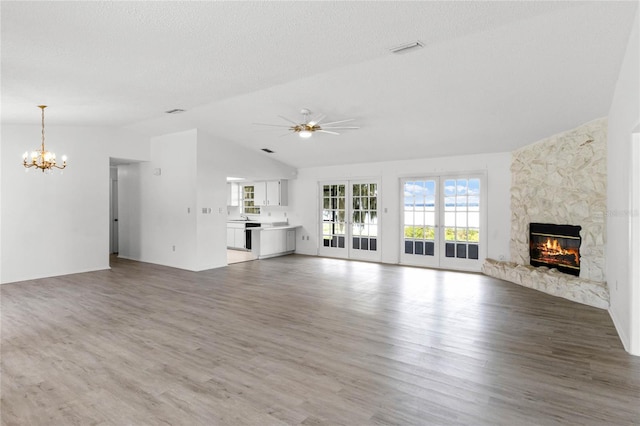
(212, 196)
(59, 224)
(163, 210)
(624, 118)
(305, 210)
(157, 213)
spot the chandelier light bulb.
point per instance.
(305, 134)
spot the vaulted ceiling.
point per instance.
(491, 77)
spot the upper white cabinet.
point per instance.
(271, 193)
(233, 194)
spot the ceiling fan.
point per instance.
(311, 125)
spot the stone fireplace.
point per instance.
(560, 180)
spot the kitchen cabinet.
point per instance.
(291, 240)
(271, 193)
(236, 235)
(233, 194)
(276, 241)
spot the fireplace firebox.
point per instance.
(555, 246)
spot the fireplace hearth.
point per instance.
(555, 246)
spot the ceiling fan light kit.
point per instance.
(308, 127)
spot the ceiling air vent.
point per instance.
(174, 111)
(407, 47)
(267, 150)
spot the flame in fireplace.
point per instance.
(553, 247)
(552, 251)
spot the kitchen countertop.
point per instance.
(273, 228)
(267, 222)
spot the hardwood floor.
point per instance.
(306, 340)
(237, 256)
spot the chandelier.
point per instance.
(41, 158)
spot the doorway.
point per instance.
(113, 210)
(350, 225)
(442, 224)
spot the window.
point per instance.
(248, 206)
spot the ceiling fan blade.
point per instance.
(317, 120)
(290, 121)
(340, 127)
(341, 121)
(272, 125)
(286, 134)
(326, 131)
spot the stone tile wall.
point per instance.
(561, 180)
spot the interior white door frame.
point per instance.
(634, 252)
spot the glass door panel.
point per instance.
(364, 221)
(462, 218)
(334, 219)
(419, 238)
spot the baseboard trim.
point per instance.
(621, 334)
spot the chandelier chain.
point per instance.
(42, 107)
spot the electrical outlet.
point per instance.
(174, 248)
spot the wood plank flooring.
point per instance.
(237, 256)
(306, 340)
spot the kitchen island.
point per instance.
(262, 239)
(271, 241)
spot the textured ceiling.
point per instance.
(492, 76)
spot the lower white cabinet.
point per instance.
(236, 236)
(275, 242)
(291, 240)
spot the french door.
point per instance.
(443, 221)
(350, 221)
